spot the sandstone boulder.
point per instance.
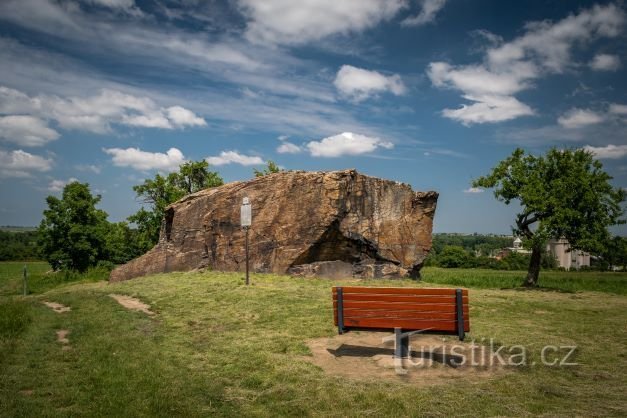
(332, 224)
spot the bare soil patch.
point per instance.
(62, 337)
(57, 307)
(434, 359)
(132, 303)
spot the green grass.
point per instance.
(40, 277)
(568, 281)
(218, 348)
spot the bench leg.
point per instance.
(459, 302)
(401, 346)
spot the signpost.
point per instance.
(246, 221)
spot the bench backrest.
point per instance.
(411, 309)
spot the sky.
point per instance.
(433, 93)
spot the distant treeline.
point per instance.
(18, 246)
(484, 245)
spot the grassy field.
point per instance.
(566, 281)
(40, 277)
(218, 348)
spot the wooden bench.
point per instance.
(401, 309)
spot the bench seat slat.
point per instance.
(434, 307)
(399, 291)
(405, 324)
(399, 298)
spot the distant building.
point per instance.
(516, 247)
(567, 258)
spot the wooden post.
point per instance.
(25, 281)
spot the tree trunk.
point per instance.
(534, 268)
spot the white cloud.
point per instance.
(143, 160)
(428, 12)
(359, 84)
(605, 62)
(488, 109)
(293, 22)
(58, 185)
(27, 131)
(113, 4)
(21, 163)
(548, 44)
(608, 152)
(346, 143)
(228, 157)
(88, 167)
(184, 117)
(92, 114)
(474, 190)
(618, 109)
(509, 68)
(578, 118)
(288, 148)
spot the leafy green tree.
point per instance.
(194, 176)
(72, 233)
(615, 253)
(563, 194)
(162, 191)
(122, 243)
(271, 167)
(454, 256)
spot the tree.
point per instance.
(453, 256)
(72, 233)
(615, 253)
(162, 191)
(563, 194)
(271, 168)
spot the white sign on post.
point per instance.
(246, 213)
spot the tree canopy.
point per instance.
(72, 232)
(161, 191)
(271, 167)
(563, 194)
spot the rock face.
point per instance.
(330, 224)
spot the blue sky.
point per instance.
(432, 93)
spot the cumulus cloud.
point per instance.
(474, 190)
(578, 118)
(180, 116)
(511, 67)
(359, 84)
(294, 22)
(27, 131)
(144, 160)
(288, 148)
(428, 12)
(58, 185)
(609, 152)
(95, 113)
(21, 164)
(605, 62)
(234, 157)
(346, 143)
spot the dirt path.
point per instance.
(57, 307)
(62, 337)
(132, 303)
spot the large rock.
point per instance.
(330, 224)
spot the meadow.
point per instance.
(216, 347)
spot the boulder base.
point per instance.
(330, 224)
